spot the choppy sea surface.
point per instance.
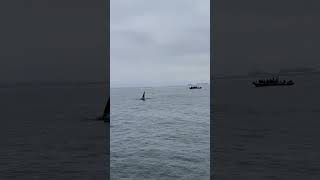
(165, 137)
(49, 131)
(268, 132)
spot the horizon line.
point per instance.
(148, 86)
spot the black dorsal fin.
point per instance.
(107, 109)
(143, 96)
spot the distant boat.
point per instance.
(195, 87)
(143, 96)
(272, 82)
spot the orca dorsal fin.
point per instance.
(107, 109)
(143, 96)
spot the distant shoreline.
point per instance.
(155, 86)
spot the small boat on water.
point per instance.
(272, 82)
(195, 87)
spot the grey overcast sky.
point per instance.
(159, 42)
(266, 35)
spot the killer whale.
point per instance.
(106, 114)
(143, 96)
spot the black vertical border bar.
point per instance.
(212, 127)
(107, 30)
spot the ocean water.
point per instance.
(267, 133)
(48, 131)
(165, 137)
